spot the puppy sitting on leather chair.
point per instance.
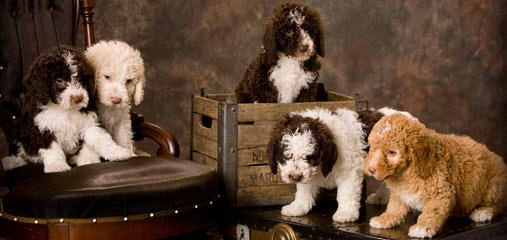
(58, 116)
(440, 175)
(317, 149)
(288, 68)
(119, 80)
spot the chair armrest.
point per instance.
(168, 146)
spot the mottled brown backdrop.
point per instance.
(443, 61)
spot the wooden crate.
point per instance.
(233, 137)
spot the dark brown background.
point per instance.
(443, 61)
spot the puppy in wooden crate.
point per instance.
(288, 68)
(317, 149)
(440, 175)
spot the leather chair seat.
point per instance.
(141, 185)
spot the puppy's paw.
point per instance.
(346, 215)
(379, 222)
(295, 209)
(482, 214)
(81, 160)
(56, 167)
(11, 162)
(119, 154)
(420, 231)
(374, 199)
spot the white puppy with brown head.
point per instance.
(119, 80)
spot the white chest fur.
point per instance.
(289, 78)
(66, 125)
(411, 199)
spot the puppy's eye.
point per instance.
(107, 76)
(60, 81)
(391, 152)
(129, 80)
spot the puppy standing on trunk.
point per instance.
(440, 175)
(58, 116)
(317, 149)
(119, 80)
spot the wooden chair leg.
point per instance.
(87, 12)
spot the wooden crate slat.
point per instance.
(257, 176)
(201, 158)
(205, 146)
(252, 156)
(254, 134)
(274, 111)
(205, 106)
(334, 96)
(199, 129)
(266, 195)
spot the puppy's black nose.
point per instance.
(303, 48)
(76, 98)
(296, 177)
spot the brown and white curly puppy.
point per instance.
(440, 175)
(288, 68)
(58, 117)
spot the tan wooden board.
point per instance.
(254, 134)
(205, 146)
(201, 158)
(274, 111)
(257, 176)
(268, 193)
(200, 129)
(205, 106)
(252, 156)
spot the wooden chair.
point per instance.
(141, 198)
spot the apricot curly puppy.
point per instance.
(438, 174)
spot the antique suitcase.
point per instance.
(266, 223)
(232, 137)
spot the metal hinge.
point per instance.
(242, 232)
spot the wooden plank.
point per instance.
(205, 106)
(257, 176)
(201, 158)
(274, 111)
(266, 195)
(334, 96)
(199, 128)
(205, 146)
(220, 97)
(252, 156)
(254, 134)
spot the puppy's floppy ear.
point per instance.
(315, 30)
(274, 151)
(328, 151)
(319, 41)
(35, 81)
(421, 154)
(271, 152)
(139, 92)
(269, 41)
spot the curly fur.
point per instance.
(58, 116)
(119, 80)
(317, 149)
(441, 175)
(369, 118)
(288, 68)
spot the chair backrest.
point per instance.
(27, 28)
